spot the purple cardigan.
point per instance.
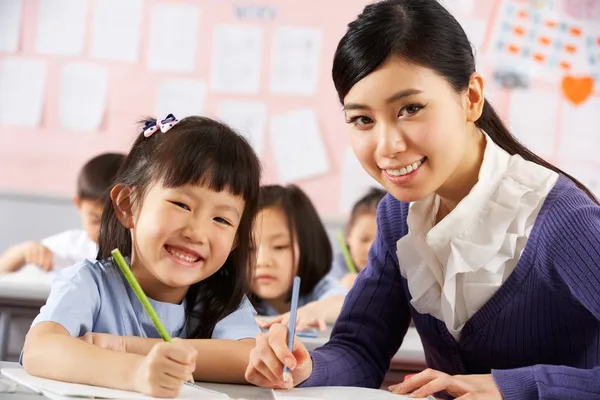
(539, 335)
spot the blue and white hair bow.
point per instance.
(164, 124)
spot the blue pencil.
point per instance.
(292, 325)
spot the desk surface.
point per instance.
(245, 392)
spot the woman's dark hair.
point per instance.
(365, 205)
(315, 253)
(421, 32)
(196, 151)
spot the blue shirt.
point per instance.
(94, 296)
(325, 288)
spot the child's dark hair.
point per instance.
(422, 32)
(305, 226)
(196, 151)
(366, 205)
(97, 175)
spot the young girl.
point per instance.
(181, 211)
(360, 234)
(497, 259)
(291, 240)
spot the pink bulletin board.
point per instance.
(44, 158)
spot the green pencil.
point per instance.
(120, 260)
(346, 252)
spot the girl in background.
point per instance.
(291, 240)
(181, 211)
(360, 234)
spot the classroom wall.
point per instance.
(264, 67)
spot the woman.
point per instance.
(498, 258)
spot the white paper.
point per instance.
(532, 118)
(116, 30)
(475, 30)
(236, 59)
(180, 97)
(248, 118)
(295, 57)
(83, 92)
(10, 25)
(58, 389)
(579, 139)
(355, 182)
(297, 145)
(61, 26)
(586, 173)
(174, 30)
(23, 83)
(338, 392)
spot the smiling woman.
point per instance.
(497, 259)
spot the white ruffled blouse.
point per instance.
(456, 266)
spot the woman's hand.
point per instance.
(348, 280)
(271, 354)
(106, 341)
(307, 317)
(463, 387)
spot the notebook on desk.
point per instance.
(58, 390)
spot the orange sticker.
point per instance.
(565, 65)
(545, 40)
(539, 57)
(577, 90)
(513, 49)
(598, 40)
(575, 31)
(569, 48)
(519, 31)
(523, 14)
(550, 23)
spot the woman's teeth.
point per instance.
(405, 170)
(182, 256)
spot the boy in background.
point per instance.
(66, 248)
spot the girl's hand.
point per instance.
(106, 341)
(164, 370)
(308, 317)
(348, 280)
(463, 387)
(269, 356)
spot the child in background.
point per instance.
(67, 248)
(360, 234)
(291, 240)
(182, 211)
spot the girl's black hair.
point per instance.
(315, 253)
(424, 33)
(196, 151)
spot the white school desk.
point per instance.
(21, 296)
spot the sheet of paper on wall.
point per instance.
(116, 30)
(249, 118)
(459, 6)
(534, 128)
(180, 97)
(236, 59)
(339, 392)
(585, 172)
(10, 21)
(174, 30)
(297, 145)
(355, 182)
(61, 26)
(83, 92)
(23, 83)
(579, 124)
(295, 57)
